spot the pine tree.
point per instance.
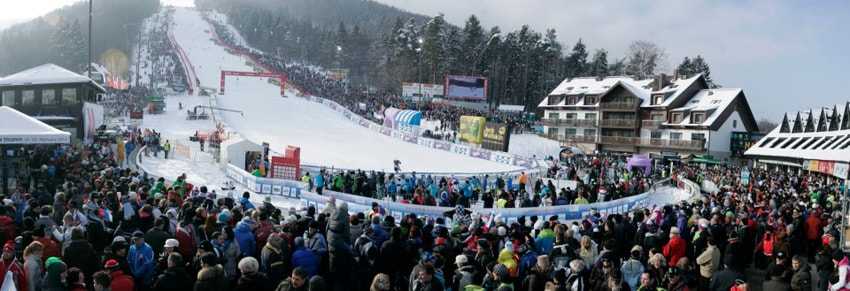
(576, 64)
(433, 49)
(471, 46)
(599, 66)
(685, 69)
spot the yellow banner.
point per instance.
(471, 129)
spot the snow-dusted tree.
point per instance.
(644, 58)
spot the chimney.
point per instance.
(660, 81)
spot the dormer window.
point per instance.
(590, 100)
(657, 99)
(697, 117)
(676, 117)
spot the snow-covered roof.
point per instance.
(45, 74)
(825, 145)
(592, 86)
(711, 101)
(19, 128)
(672, 91)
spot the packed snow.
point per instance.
(326, 137)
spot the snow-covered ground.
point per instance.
(326, 137)
(532, 145)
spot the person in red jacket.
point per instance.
(120, 281)
(8, 263)
(674, 249)
(813, 230)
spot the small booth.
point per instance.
(640, 161)
(20, 129)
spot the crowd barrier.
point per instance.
(296, 190)
(188, 68)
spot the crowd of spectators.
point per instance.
(81, 221)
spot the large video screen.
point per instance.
(466, 87)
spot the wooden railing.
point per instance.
(695, 145)
(619, 105)
(651, 123)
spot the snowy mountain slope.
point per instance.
(326, 138)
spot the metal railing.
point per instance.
(628, 123)
(654, 142)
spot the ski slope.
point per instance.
(326, 137)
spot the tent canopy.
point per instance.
(640, 161)
(19, 128)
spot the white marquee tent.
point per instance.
(19, 128)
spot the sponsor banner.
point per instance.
(495, 137)
(410, 138)
(364, 123)
(426, 142)
(466, 88)
(840, 170)
(441, 145)
(421, 91)
(460, 149)
(481, 154)
(471, 129)
(502, 158)
(386, 131)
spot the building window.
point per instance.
(48, 97)
(591, 116)
(655, 135)
(572, 116)
(698, 136)
(69, 96)
(554, 100)
(554, 115)
(676, 135)
(734, 123)
(552, 131)
(27, 97)
(590, 132)
(572, 100)
(657, 117)
(657, 99)
(8, 98)
(698, 117)
(676, 117)
(571, 132)
(590, 100)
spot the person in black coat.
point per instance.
(80, 253)
(723, 280)
(175, 277)
(252, 279)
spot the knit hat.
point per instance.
(501, 271)
(171, 243)
(110, 264)
(9, 246)
(224, 216)
(52, 261)
(461, 259)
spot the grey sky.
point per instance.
(786, 55)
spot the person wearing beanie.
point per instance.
(633, 267)
(33, 264)
(425, 280)
(55, 269)
(141, 260)
(464, 274)
(275, 258)
(500, 278)
(676, 248)
(252, 279)
(212, 276)
(10, 264)
(539, 274)
(120, 281)
(545, 239)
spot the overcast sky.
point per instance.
(787, 56)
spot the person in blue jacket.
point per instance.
(246, 201)
(305, 258)
(140, 259)
(320, 182)
(244, 234)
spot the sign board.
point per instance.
(421, 91)
(471, 129)
(466, 88)
(338, 74)
(496, 136)
(745, 176)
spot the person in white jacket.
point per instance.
(843, 264)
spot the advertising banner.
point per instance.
(421, 91)
(471, 129)
(466, 88)
(92, 119)
(496, 137)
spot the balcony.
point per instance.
(571, 139)
(619, 105)
(618, 123)
(619, 140)
(652, 124)
(570, 122)
(694, 145)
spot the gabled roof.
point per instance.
(672, 92)
(46, 74)
(582, 86)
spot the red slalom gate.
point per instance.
(281, 78)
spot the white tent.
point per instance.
(19, 128)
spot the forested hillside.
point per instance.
(61, 37)
(384, 46)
